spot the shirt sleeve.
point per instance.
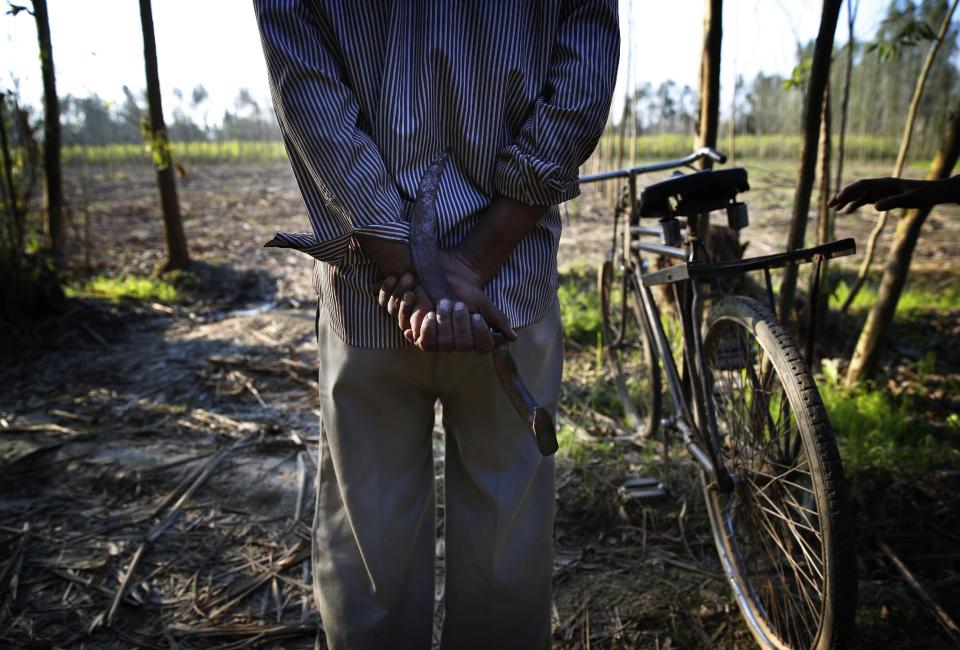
(345, 184)
(565, 123)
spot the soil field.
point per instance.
(157, 460)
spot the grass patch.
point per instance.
(876, 430)
(912, 301)
(129, 287)
(580, 305)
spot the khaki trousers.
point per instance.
(374, 530)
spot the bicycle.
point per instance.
(745, 405)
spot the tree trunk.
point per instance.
(812, 109)
(874, 333)
(177, 256)
(710, 78)
(56, 225)
(824, 213)
(845, 101)
(709, 121)
(825, 216)
(902, 153)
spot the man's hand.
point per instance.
(403, 298)
(886, 194)
(468, 268)
(448, 327)
(452, 328)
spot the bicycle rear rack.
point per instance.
(708, 271)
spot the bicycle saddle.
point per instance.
(694, 193)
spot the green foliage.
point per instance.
(157, 144)
(913, 300)
(580, 305)
(876, 429)
(908, 35)
(130, 287)
(799, 76)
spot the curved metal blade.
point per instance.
(423, 232)
(537, 419)
(423, 249)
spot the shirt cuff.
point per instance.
(398, 231)
(331, 251)
(526, 178)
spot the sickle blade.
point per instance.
(423, 249)
(423, 232)
(537, 419)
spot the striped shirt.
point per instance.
(367, 93)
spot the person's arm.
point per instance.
(348, 191)
(892, 193)
(563, 126)
(540, 167)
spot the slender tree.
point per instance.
(874, 333)
(905, 140)
(56, 226)
(812, 111)
(824, 213)
(177, 256)
(709, 121)
(852, 7)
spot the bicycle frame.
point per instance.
(698, 429)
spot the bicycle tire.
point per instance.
(635, 366)
(784, 535)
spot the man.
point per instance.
(367, 94)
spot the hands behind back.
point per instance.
(457, 323)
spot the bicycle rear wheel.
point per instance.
(635, 366)
(783, 534)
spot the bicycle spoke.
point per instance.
(775, 559)
(798, 573)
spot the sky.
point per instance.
(97, 45)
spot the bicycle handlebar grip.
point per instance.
(716, 155)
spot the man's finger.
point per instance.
(852, 192)
(408, 303)
(445, 325)
(386, 289)
(393, 306)
(416, 322)
(838, 201)
(406, 283)
(482, 338)
(462, 334)
(855, 205)
(427, 341)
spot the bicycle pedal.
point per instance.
(642, 488)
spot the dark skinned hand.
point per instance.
(448, 327)
(468, 268)
(888, 194)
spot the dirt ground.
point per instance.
(156, 461)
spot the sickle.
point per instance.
(423, 248)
